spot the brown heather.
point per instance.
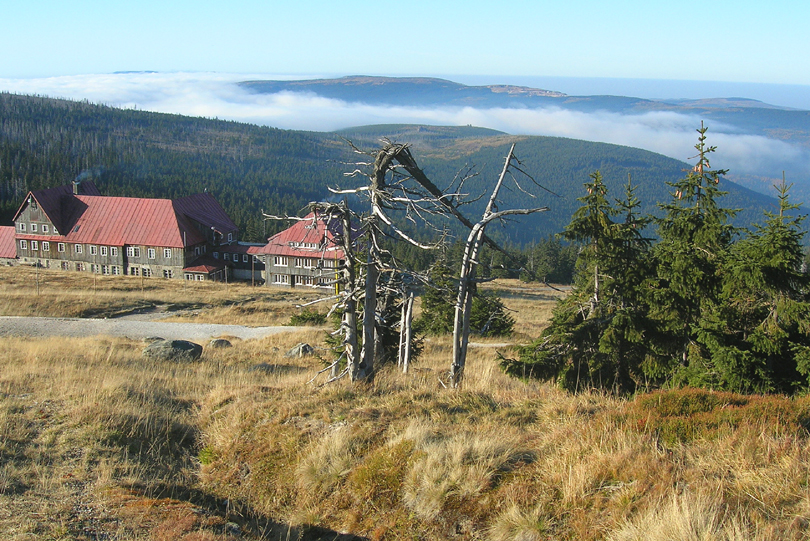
(98, 443)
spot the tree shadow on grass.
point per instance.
(241, 513)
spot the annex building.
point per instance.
(308, 254)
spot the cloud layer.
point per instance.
(217, 96)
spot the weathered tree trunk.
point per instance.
(349, 322)
(370, 339)
(406, 333)
(461, 324)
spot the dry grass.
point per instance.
(75, 294)
(99, 442)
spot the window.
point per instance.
(23, 244)
(116, 270)
(230, 237)
(80, 267)
(244, 258)
(146, 272)
(22, 227)
(44, 228)
(60, 247)
(33, 228)
(216, 255)
(34, 245)
(281, 278)
(299, 261)
(77, 248)
(93, 249)
(104, 251)
(309, 263)
(105, 269)
(46, 246)
(134, 271)
(196, 250)
(280, 261)
(226, 256)
(150, 253)
(133, 251)
(167, 253)
(94, 268)
(168, 273)
(201, 278)
(114, 251)
(188, 276)
(65, 265)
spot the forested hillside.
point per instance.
(46, 142)
(561, 166)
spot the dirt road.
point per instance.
(136, 329)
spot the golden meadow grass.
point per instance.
(97, 441)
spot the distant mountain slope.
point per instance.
(560, 165)
(46, 142)
(747, 116)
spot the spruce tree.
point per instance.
(694, 238)
(627, 266)
(758, 334)
(596, 336)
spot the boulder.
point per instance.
(173, 350)
(220, 343)
(300, 350)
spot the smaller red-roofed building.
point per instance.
(76, 228)
(308, 254)
(8, 248)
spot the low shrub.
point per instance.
(308, 317)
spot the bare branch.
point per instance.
(316, 301)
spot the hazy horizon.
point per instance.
(216, 95)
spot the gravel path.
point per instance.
(135, 329)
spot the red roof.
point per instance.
(129, 220)
(203, 208)
(118, 221)
(310, 237)
(205, 264)
(8, 248)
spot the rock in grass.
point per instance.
(219, 343)
(173, 350)
(300, 350)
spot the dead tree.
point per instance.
(397, 185)
(461, 324)
(390, 191)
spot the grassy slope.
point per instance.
(98, 441)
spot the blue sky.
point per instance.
(741, 40)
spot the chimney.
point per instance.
(76, 186)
